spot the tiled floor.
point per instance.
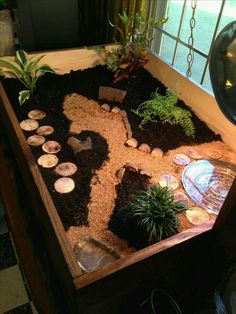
(14, 298)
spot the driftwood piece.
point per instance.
(126, 123)
(111, 94)
(77, 145)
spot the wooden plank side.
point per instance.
(21, 241)
(39, 182)
(201, 102)
(180, 271)
(60, 258)
(143, 254)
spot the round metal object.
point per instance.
(222, 68)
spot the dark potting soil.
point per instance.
(49, 97)
(122, 223)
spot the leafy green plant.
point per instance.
(136, 33)
(156, 212)
(164, 109)
(26, 70)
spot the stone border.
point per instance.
(120, 173)
(132, 142)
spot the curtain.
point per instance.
(94, 16)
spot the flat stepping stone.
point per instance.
(66, 169)
(48, 160)
(214, 153)
(36, 114)
(92, 254)
(195, 153)
(181, 197)
(168, 180)
(29, 125)
(45, 130)
(35, 140)
(51, 147)
(197, 216)
(181, 159)
(64, 185)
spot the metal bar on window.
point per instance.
(201, 53)
(179, 31)
(213, 39)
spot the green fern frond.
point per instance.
(164, 109)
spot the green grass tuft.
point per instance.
(156, 212)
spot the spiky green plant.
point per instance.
(26, 70)
(156, 212)
(164, 109)
(136, 34)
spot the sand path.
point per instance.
(87, 115)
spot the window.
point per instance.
(171, 42)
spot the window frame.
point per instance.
(157, 10)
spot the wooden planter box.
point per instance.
(187, 265)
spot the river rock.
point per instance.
(105, 107)
(145, 148)
(132, 142)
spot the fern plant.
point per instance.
(136, 33)
(26, 70)
(164, 109)
(156, 212)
